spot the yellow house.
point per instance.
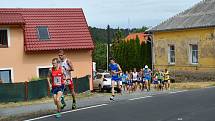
(31, 37)
(185, 43)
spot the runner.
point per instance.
(115, 71)
(135, 78)
(166, 79)
(127, 81)
(147, 77)
(155, 79)
(140, 79)
(143, 81)
(56, 76)
(124, 82)
(130, 83)
(160, 80)
(67, 65)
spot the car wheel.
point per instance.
(109, 90)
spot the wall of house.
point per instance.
(183, 70)
(25, 65)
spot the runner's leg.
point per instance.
(112, 90)
(72, 91)
(58, 101)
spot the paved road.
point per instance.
(46, 108)
(196, 105)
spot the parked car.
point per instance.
(102, 82)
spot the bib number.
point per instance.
(68, 82)
(114, 74)
(57, 81)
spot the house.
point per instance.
(31, 37)
(185, 43)
(133, 36)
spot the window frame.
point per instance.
(38, 33)
(11, 73)
(169, 54)
(8, 38)
(41, 67)
(191, 54)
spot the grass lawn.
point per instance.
(43, 100)
(191, 85)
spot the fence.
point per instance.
(13, 92)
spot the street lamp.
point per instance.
(108, 48)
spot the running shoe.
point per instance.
(58, 115)
(112, 98)
(63, 102)
(74, 106)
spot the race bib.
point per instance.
(68, 82)
(114, 73)
(57, 81)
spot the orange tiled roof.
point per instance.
(134, 35)
(67, 27)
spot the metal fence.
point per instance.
(24, 91)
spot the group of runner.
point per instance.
(133, 80)
(138, 80)
(58, 77)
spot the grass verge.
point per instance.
(43, 100)
(191, 85)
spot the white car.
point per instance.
(102, 82)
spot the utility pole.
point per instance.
(108, 45)
(150, 40)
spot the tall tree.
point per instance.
(99, 55)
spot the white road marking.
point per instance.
(180, 119)
(42, 117)
(140, 98)
(178, 91)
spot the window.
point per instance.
(43, 72)
(5, 76)
(3, 38)
(43, 33)
(194, 54)
(171, 54)
(98, 76)
(107, 76)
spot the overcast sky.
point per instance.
(117, 13)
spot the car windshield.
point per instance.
(107, 76)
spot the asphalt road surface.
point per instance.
(195, 105)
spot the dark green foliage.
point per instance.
(100, 35)
(128, 54)
(132, 54)
(100, 55)
(138, 30)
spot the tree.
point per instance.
(116, 47)
(132, 54)
(99, 55)
(128, 54)
(138, 30)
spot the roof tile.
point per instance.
(67, 27)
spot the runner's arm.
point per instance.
(70, 65)
(49, 78)
(64, 73)
(120, 70)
